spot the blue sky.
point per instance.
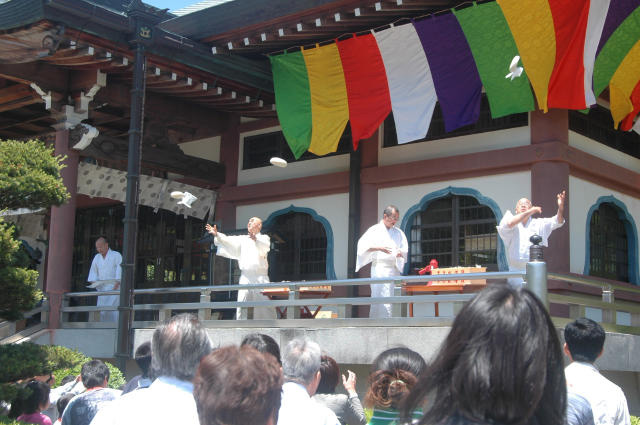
(171, 4)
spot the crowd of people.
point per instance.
(501, 363)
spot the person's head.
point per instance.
(38, 398)
(263, 343)
(62, 402)
(238, 386)
(67, 379)
(142, 357)
(94, 373)
(584, 340)
(390, 216)
(301, 363)
(177, 347)
(523, 205)
(500, 363)
(329, 375)
(102, 245)
(393, 374)
(254, 225)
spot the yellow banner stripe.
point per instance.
(531, 24)
(622, 84)
(329, 104)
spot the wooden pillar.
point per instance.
(229, 156)
(61, 231)
(369, 214)
(548, 178)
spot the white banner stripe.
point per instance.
(413, 95)
(597, 15)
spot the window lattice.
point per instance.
(609, 252)
(456, 231)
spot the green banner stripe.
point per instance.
(293, 100)
(493, 48)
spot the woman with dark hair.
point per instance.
(347, 408)
(36, 402)
(393, 374)
(500, 364)
(263, 343)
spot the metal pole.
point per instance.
(537, 271)
(125, 316)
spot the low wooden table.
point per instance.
(305, 292)
(436, 288)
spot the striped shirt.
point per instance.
(391, 416)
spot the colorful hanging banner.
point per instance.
(615, 50)
(568, 87)
(627, 122)
(293, 100)
(618, 11)
(532, 27)
(455, 76)
(622, 84)
(597, 18)
(329, 107)
(413, 95)
(367, 88)
(493, 48)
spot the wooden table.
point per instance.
(304, 292)
(435, 288)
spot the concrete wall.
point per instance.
(599, 150)
(208, 148)
(480, 142)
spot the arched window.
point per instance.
(455, 230)
(299, 248)
(608, 244)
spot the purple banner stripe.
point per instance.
(454, 71)
(618, 12)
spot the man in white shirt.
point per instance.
(251, 252)
(515, 231)
(301, 370)
(386, 248)
(584, 342)
(104, 275)
(177, 347)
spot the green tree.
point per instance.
(29, 178)
(30, 175)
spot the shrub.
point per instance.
(21, 361)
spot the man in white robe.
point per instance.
(515, 231)
(251, 252)
(104, 275)
(386, 248)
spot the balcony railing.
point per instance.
(600, 302)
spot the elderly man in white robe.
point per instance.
(385, 247)
(104, 275)
(515, 231)
(251, 252)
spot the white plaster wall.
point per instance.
(334, 208)
(586, 195)
(601, 151)
(312, 167)
(504, 189)
(208, 148)
(452, 146)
